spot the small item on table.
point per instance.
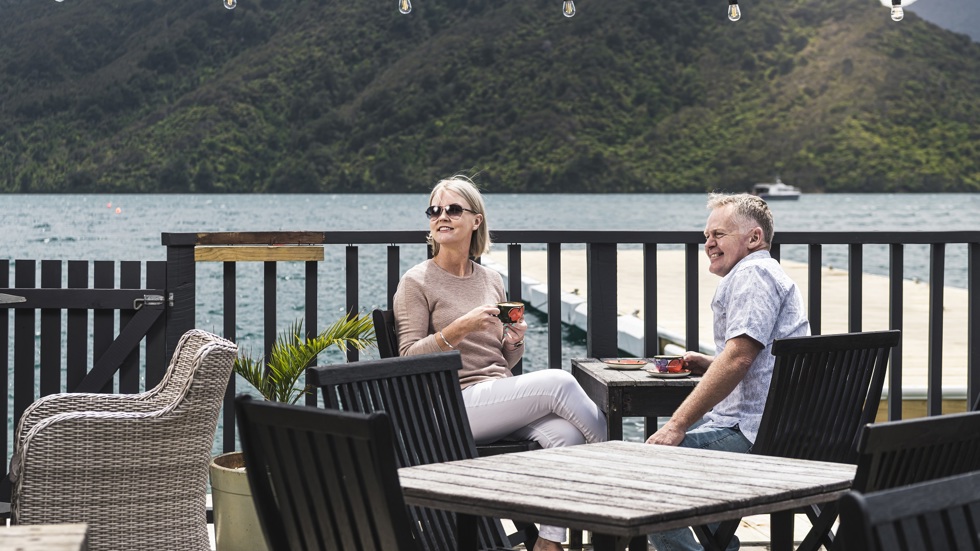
(510, 312)
(668, 364)
(623, 363)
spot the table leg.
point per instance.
(467, 538)
(614, 417)
(605, 542)
(649, 426)
(638, 544)
(782, 530)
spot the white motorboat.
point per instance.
(776, 191)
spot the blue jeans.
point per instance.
(714, 438)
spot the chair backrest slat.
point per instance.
(824, 389)
(422, 396)
(936, 515)
(323, 479)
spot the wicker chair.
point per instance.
(133, 467)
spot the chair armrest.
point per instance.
(54, 404)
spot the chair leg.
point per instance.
(720, 538)
(527, 533)
(822, 518)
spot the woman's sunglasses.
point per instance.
(453, 211)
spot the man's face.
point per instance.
(727, 241)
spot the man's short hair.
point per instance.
(749, 208)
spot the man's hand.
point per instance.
(697, 362)
(670, 435)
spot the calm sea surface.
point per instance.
(128, 227)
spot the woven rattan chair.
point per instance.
(133, 467)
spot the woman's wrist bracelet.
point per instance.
(443, 337)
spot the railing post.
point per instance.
(973, 327)
(691, 291)
(269, 301)
(230, 322)
(393, 272)
(182, 285)
(554, 305)
(855, 280)
(896, 304)
(603, 335)
(352, 297)
(514, 290)
(813, 285)
(934, 371)
(651, 335)
(312, 322)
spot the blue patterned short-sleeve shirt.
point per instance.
(756, 299)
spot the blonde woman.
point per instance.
(449, 303)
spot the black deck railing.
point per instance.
(175, 281)
(601, 257)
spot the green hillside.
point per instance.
(630, 95)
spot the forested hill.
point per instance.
(627, 96)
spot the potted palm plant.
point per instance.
(276, 378)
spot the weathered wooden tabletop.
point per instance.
(623, 490)
(630, 393)
(44, 537)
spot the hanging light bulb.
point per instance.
(897, 12)
(734, 13)
(230, 4)
(568, 8)
(405, 6)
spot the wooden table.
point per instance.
(630, 393)
(621, 491)
(44, 537)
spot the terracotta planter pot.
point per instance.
(236, 523)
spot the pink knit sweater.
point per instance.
(429, 298)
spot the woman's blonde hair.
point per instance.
(462, 185)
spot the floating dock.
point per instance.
(671, 308)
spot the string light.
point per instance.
(405, 6)
(734, 12)
(230, 4)
(568, 8)
(897, 12)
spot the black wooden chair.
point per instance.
(421, 394)
(898, 453)
(935, 515)
(384, 328)
(824, 389)
(323, 479)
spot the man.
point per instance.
(755, 303)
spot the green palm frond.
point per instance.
(277, 379)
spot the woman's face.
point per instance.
(453, 233)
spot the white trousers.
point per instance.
(546, 406)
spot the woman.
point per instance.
(448, 303)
